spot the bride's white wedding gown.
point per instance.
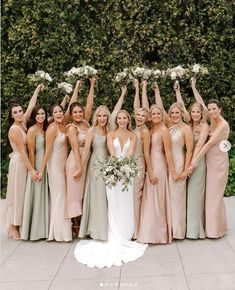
(118, 249)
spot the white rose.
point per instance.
(173, 75)
(196, 68)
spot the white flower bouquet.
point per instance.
(140, 73)
(177, 73)
(68, 88)
(199, 69)
(40, 77)
(115, 170)
(76, 73)
(123, 77)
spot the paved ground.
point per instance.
(188, 264)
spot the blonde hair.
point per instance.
(146, 111)
(177, 105)
(156, 106)
(203, 117)
(95, 116)
(128, 116)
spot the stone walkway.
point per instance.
(183, 265)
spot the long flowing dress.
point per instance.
(216, 179)
(36, 204)
(155, 221)
(17, 176)
(178, 188)
(196, 199)
(75, 188)
(94, 220)
(138, 180)
(118, 249)
(60, 227)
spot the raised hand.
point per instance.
(176, 86)
(123, 89)
(92, 80)
(193, 82)
(136, 83)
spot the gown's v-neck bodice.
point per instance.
(119, 151)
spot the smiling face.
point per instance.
(156, 115)
(141, 117)
(122, 120)
(58, 114)
(213, 111)
(40, 116)
(102, 118)
(176, 115)
(77, 114)
(196, 113)
(17, 113)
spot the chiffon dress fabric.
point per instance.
(94, 220)
(155, 220)
(75, 188)
(36, 204)
(138, 180)
(60, 227)
(196, 199)
(216, 179)
(118, 249)
(16, 185)
(178, 188)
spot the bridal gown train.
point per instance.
(118, 249)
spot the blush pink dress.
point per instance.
(17, 176)
(155, 219)
(60, 227)
(216, 179)
(75, 188)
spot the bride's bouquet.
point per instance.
(76, 73)
(114, 170)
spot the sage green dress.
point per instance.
(36, 214)
(94, 220)
(196, 199)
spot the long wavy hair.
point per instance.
(156, 106)
(11, 105)
(32, 119)
(95, 117)
(129, 118)
(147, 113)
(176, 105)
(52, 109)
(74, 105)
(203, 113)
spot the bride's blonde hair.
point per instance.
(128, 116)
(96, 113)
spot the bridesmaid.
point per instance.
(142, 134)
(182, 149)
(155, 220)
(19, 163)
(197, 181)
(36, 214)
(75, 170)
(217, 171)
(94, 220)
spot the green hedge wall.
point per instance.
(111, 35)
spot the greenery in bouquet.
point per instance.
(178, 73)
(123, 78)
(77, 73)
(40, 77)
(114, 170)
(198, 70)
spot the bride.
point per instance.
(118, 248)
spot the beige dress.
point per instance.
(17, 176)
(155, 221)
(178, 189)
(216, 179)
(139, 180)
(75, 188)
(60, 227)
